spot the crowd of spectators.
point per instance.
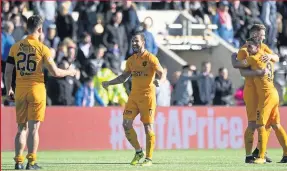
(98, 43)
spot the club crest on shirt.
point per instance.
(144, 63)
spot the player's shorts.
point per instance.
(269, 109)
(251, 102)
(30, 103)
(145, 105)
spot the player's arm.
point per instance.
(238, 63)
(251, 60)
(53, 68)
(157, 67)
(10, 63)
(57, 72)
(252, 73)
(271, 56)
(118, 80)
(121, 78)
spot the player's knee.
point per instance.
(22, 128)
(127, 124)
(148, 128)
(252, 126)
(276, 126)
(33, 126)
(258, 126)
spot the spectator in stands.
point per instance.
(150, 43)
(47, 10)
(95, 63)
(87, 95)
(238, 96)
(5, 15)
(197, 11)
(97, 33)
(175, 78)
(223, 88)
(115, 95)
(280, 77)
(114, 59)
(65, 23)
(7, 41)
(130, 21)
(85, 50)
(224, 22)
(238, 16)
(203, 86)
(163, 92)
(282, 38)
(269, 18)
(183, 92)
(52, 40)
(87, 15)
(19, 30)
(110, 13)
(115, 35)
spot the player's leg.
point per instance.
(21, 136)
(20, 143)
(280, 132)
(265, 108)
(36, 114)
(251, 102)
(129, 115)
(147, 111)
(33, 142)
(248, 140)
(252, 111)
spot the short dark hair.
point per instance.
(34, 22)
(221, 69)
(256, 28)
(141, 34)
(117, 11)
(186, 67)
(254, 40)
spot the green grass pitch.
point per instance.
(172, 160)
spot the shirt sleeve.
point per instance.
(11, 56)
(242, 54)
(242, 57)
(47, 56)
(266, 49)
(154, 63)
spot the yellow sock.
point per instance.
(19, 159)
(150, 142)
(282, 138)
(268, 132)
(262, 141)
(248, 139)
(31, 158)
(132, 138)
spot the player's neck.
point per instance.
(141, 52)
(34, 35)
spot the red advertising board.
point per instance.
(73, 128)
